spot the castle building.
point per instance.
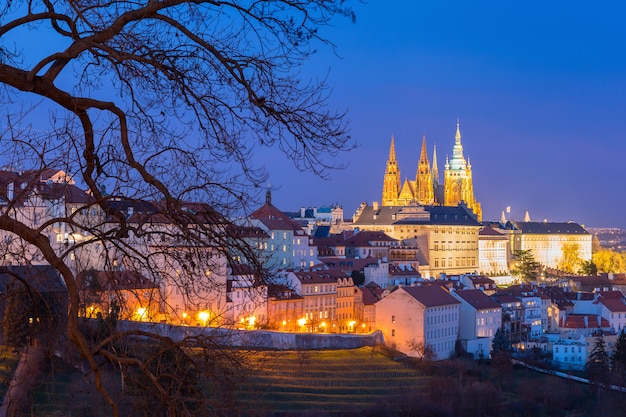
(447, 237)
(425, 190)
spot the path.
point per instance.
(24, 377)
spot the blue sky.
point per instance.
(539, 88)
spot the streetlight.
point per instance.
(141, 313)
(203, 316)
(302, 323)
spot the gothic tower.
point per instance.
(424, 179)
(391, 182)
(457, 178)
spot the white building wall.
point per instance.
(493, 255)
(617, 320)
(377, 273)
(442, 329)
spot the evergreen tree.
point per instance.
(598, 365)
(501, 356)
(527, 268)
(500, 342)
(618, 359)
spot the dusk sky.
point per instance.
(539, 89)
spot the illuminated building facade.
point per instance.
(493, 252)
(457, 184)
(447, 237)
(414, 317)
(554, 245)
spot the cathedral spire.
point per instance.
(391, 182)
(392, 149)
(435, 169)
(424, 178)
(457, 161)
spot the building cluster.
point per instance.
(422, 266)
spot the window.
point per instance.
(393, 332)
(393, 319)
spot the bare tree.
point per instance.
(155, 109)
(421, 350)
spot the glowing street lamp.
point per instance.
(141, 313)
(203, 316)
(302, 323)
(351, 325)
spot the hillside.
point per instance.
(349, 383)
(328, 381)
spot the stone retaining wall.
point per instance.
(262, 339)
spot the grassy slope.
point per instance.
(360, 382)
(327, 381)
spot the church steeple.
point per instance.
(458, 186)
(392, 150)
(457, 161)
(435, 170)
(268, 195)
(425, 191)
(391, 182)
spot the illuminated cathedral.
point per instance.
(425, 189)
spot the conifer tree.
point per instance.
(618, 359)
(598, 364)
(527, 267)
(500, 342)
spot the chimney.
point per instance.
(375, 205)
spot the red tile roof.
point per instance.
(431, 295)
(274, 219)
(584, 321)
(319, 277)
(614, 306)
(372, 293)
(478, 299)
(489, 231)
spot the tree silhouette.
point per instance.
(155, 109)
(588, 268)
(618, 359)
(598, 364)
